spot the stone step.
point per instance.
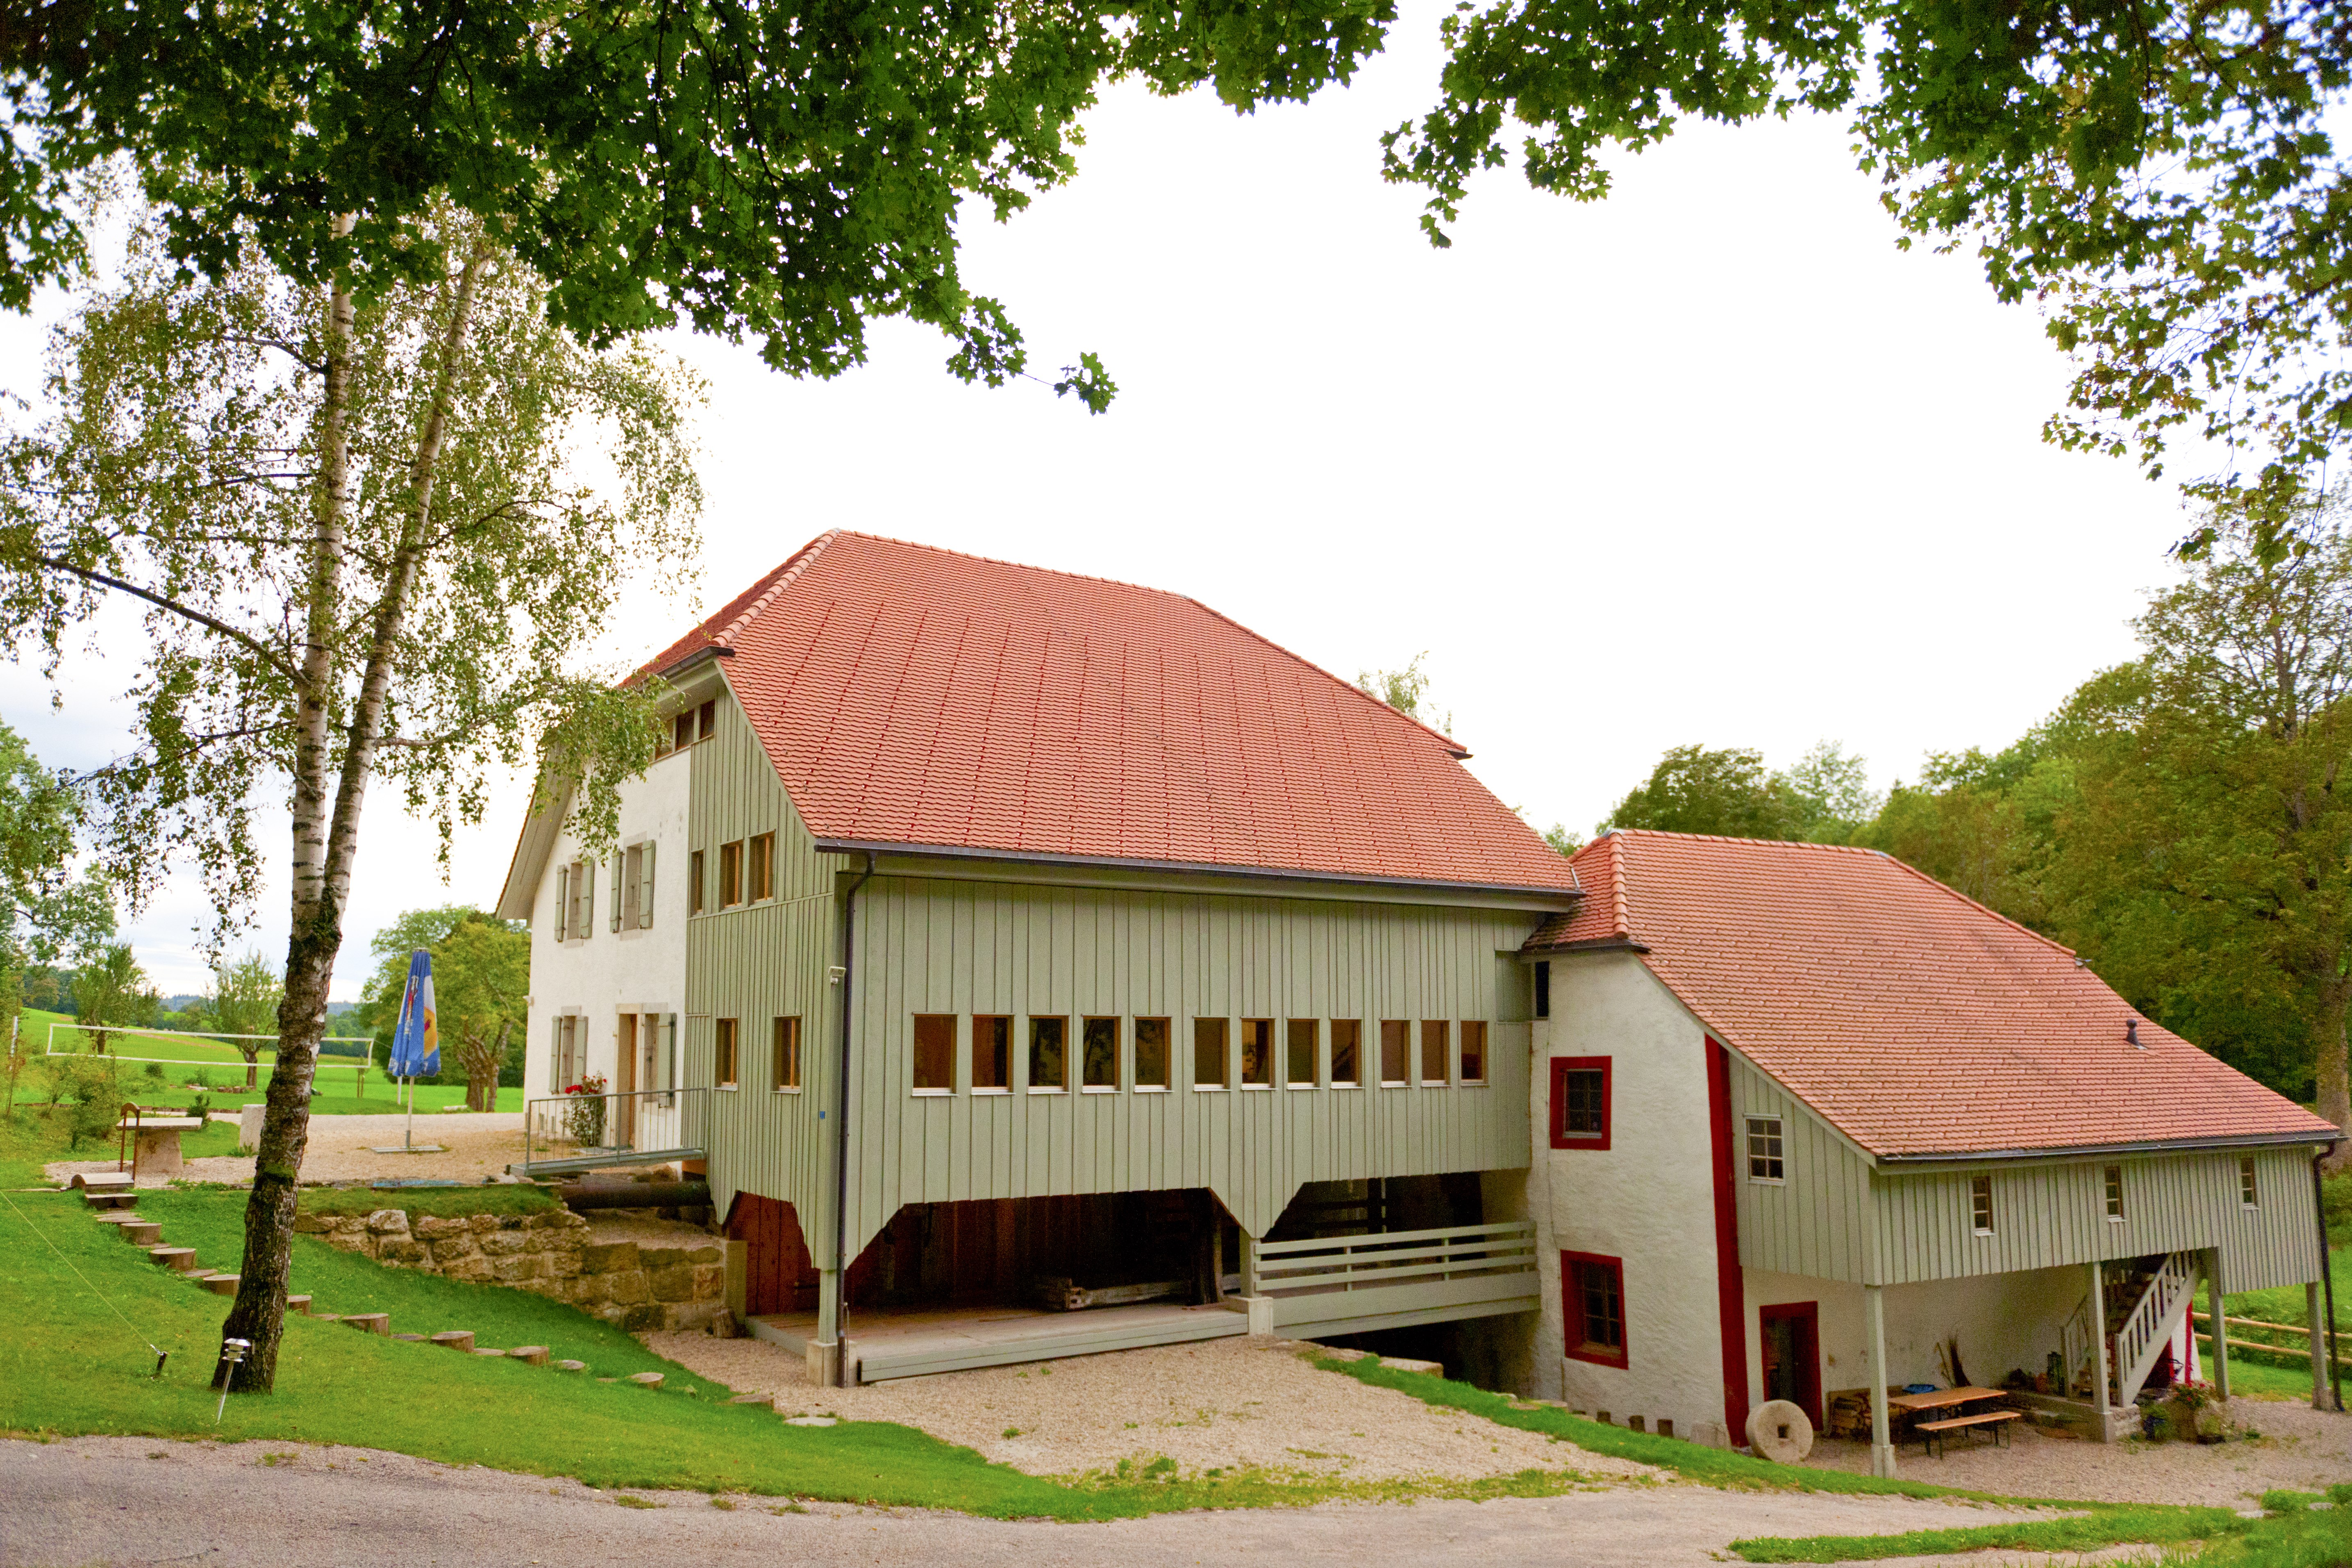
(221, 1284)
(181, 1258)
(455, 1339)
(141, 1232)
(369, 1323)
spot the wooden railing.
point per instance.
(2151, 1321)
(1394, 1278)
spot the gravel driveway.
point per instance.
(1217, 1404)
(477, 1144)
(140, 1500)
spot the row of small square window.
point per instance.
(1450, 1053)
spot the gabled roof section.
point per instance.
(913, 696)
(1913, 1020)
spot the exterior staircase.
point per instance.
(2138, 1334)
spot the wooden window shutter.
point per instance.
(563, 902)
(587, 899)
(617, 881)
(646, 888)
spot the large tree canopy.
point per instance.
(784, 170)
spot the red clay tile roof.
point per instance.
(1914, 1021)
(910, 695)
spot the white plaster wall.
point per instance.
(608, 974)
(1648, 1198)
(2002, 1322)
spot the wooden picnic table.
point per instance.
(1931, 1433)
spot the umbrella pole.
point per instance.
(408, 1134)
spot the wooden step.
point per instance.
(455, 1339)
(299, 1304)
(122, 1198)
(141, 1232)
(221, 1284)
(101, 1181)
(369, 1323)
(180, 1258)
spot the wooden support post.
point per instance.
(1249, 1264)
(1881, 1432)
(825, 1350)
(2103, 1387)
(2220, 1379)
(2311, 1310)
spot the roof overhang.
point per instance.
(1952, 1159)
(1516, 896)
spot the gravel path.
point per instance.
(477, 1144)
(1218, 1403)
(2300, 1447)
(140, 1500)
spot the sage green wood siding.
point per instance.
(757, 964)
(1816, 1221)
(2056, 1214)
(968, 948)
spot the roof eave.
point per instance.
(2139, 1146)
(1614, 943)
(1188, 868)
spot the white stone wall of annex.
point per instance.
(608, 972)
(1647, 1199)
(2003, 1322)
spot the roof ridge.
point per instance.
(753, 599)
(1735, 838)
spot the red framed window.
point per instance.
(1580, 1103)
(1592, 1307)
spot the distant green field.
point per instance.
(46, 1033)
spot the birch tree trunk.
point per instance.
(326, 839)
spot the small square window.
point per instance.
(1543, 988)
(1766, 1151)
(694, 882)
(1592, 1292)
(730, 874)
(1049, 1056)
(722, 1070)
(1208, 1052)
(935, 1043)
(2115, 1183)
(1257, 1053)
(1474, 1051)
(682, 732)
(991, 1054)
(1980, 1203)
(1435, 1040)
(1396, 1052)
(1302, 1046)
(761, 869)
(2248, 1192)
(1580, 1103)
(1347, 1050)
(784, 1068)
(1099, 1054)
(1151, 1053)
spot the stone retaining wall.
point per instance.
(629, 1283)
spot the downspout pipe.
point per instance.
(2327, 1278)
(841, 1139)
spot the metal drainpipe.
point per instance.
(2327, 1278)
(841, 1142)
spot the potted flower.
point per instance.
(585, 1117)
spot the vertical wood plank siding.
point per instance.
(2047, 1214)
(971, 947)
(1816, 1221)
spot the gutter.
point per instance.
(841, 1142)
(872, 847)
(2083, 1151)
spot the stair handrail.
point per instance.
(2150, 1325)
(2074, 1346)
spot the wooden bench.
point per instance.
(1931, 1433)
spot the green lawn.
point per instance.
(36, 1135)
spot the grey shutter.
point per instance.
(617, 879)
(669, 1050)
(587, 899)
(563, 902)
(646, 888)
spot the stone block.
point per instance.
(388, 1222)
(473, 1268)
(670, 1284)
(564, 1219)
(587, 1290)
(643, 1318)
(314, 1223)
(1408, 1363)
(505, 1243)
(451, 1249)
(455, 1339)
(627, 1286)
(702, 1255)
(341, 1242)
(710, 1281)
(563, 1265)
(481, 1223)
(434, 1225)
(514, 1270)
(610, 1258)
(400, 1250)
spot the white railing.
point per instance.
(611, 1128)
(1387, 1258)
(2150, 1325)
(2078, 1351)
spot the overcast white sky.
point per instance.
(1711, 461)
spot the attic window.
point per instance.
(730, 874)
(2115, 1183)
(1766, 1158)
(1980, 1203)
(761, 870)
(681, 732)
(722, 1070)
(694, 882)
(706, 718)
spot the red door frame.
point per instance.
(1731, 1288)
(1807, 1315)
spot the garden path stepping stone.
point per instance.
(767, 1399)
(221, 1284)
(808, 1420)
(485, 1351)
(181, 1258)
(534, 1354)
(455, 1339)
(571, 1366)
(369, 1323)
(646, 1379)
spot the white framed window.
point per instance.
(2250, 1193)
(1767, 1150)
(2114, 1182)
(1980, 1203)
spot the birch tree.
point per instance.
(356, 538)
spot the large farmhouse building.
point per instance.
(996, 940)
